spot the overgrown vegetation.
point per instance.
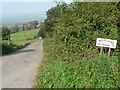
(56, 72)
(9, 48)
(71, 56)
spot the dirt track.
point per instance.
(20, 68)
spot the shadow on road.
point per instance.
(24, 51)
(21, 51)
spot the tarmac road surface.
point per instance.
(19, 69)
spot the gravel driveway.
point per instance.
(20, 68)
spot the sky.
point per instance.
(25, 9)
(33, 0)
(18, 7)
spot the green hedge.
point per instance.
(70, 54)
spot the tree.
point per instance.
(54, 15)
(35, 22)
(32, 24)
(41, 32)
(14, 29)
(25, 27)
(5, 33)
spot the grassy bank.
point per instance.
(19, 40)
(98, 72)
(71, 57)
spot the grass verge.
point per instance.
(98, 72)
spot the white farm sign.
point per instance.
(106, 43)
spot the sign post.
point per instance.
(109, 52)
(101, 49)
(101, 42)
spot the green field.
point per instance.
(19, 40)
(24, 35)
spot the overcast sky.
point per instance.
(34, 0)
(13, 8)
(20, 8)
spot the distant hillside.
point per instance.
(17, 20)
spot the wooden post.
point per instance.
(109, 53)
(101, 49)
(8, 41)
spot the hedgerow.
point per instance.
(71, 56)
(78, 25)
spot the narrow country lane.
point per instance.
(20, 68)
